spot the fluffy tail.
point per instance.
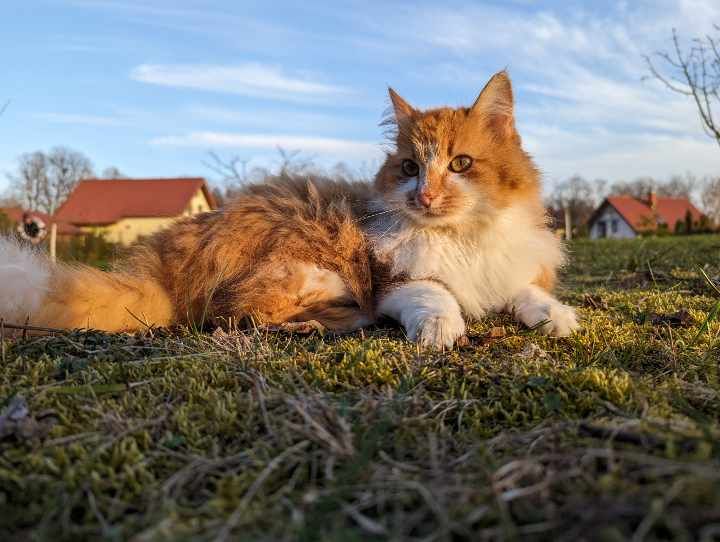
(70, 297)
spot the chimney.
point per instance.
(652, 199)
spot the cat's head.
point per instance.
(449, 166)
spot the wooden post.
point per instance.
(53, 242)
(568, 224)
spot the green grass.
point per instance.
(611, 434)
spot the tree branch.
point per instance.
(695, 73)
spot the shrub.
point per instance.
(90, 249)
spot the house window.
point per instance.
(602, 229)
(614, 226)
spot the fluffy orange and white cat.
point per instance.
(452, 228)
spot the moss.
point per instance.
(257, 436)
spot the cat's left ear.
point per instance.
(495, 104)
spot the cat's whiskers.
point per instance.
(373, 215)
(389, 229)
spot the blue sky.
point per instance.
(151, 86)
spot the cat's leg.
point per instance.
(533, 305)
(337, 317)
(294, 295)
(429, 313)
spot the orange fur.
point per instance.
(546, 279)
(82, 297)
(253, 260)
(502, 172)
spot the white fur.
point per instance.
(427, 311)
(24, 276)
(322, 280)
(534, 305)
(486, 265)
(320, 284)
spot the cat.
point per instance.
(452, 228)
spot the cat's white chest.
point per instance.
(483, 271)
(481, 278)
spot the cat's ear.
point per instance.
(401, 108)
(495, 104)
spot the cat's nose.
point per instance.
(425, 199)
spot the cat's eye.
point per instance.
(409, 168)
(460, 163)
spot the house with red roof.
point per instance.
(34, 225)
(625, 217)
(123, 210)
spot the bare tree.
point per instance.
(293, 163)
(233, 174)
(601, 190)
(679, 186)
(67, 167)
(31, 180)
(640, 188)
(112, 172)
(711, 199)
(232, 171)
(43, 181)
(692, 72)
(575, 198)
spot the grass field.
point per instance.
(612, 434)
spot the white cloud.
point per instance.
(598, 153)
(249, 79)
(214, 22)
(342, 148)
(85, 120)
(268, 118)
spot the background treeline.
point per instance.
(43, 180)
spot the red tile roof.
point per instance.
(104, 201)
(15, 214)
(673, 209)
(640, 217)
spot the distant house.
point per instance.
(32, 224)
(122, 210)
(17, 215)
(625, 217)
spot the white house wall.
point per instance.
(624, 231)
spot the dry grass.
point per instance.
(611, 434)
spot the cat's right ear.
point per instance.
(496, 105)
(401, 108)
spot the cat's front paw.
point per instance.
(552, 318)
(438, 331)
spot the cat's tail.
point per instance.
(34, 290)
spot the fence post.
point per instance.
(53, 242)
(568, 224)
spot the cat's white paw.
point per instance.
(438, 331)
(428, 312)
(560, 320)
